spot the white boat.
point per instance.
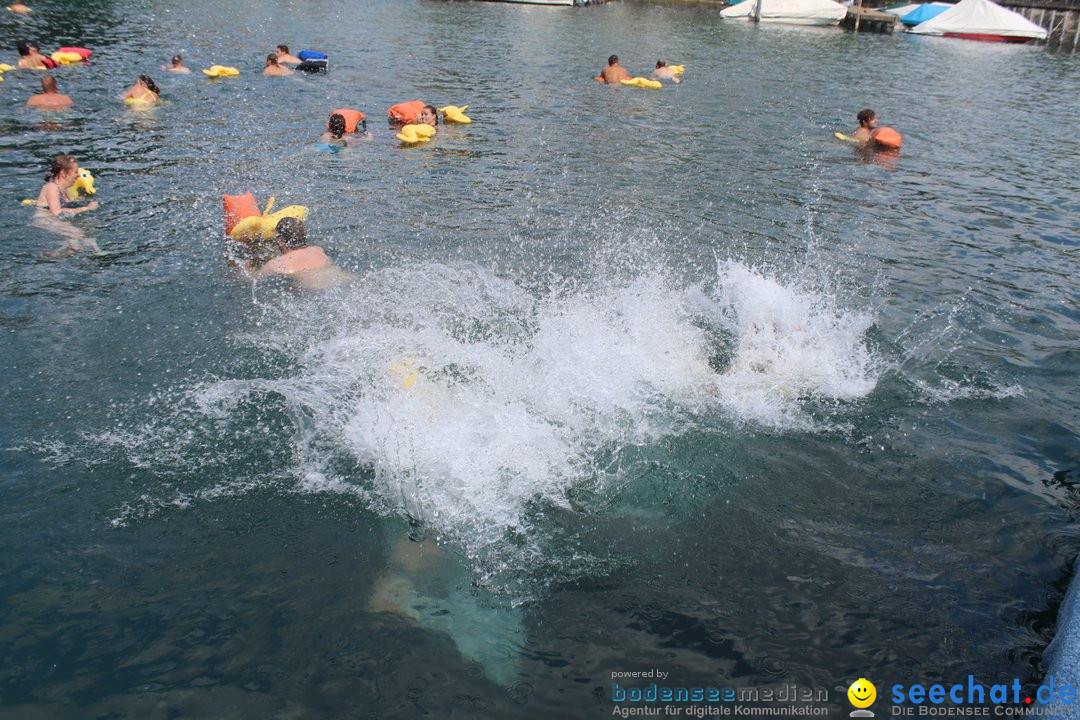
(792, 12)
(981, 20)
(567, 3)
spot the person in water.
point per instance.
(273, 68)
(49, 98)
(49, 208)
(177, 65)
(614, 73)
(335, 131)
(663, 72)
(30, 57)
(283, 56)
(306, 265)
(144, 90)
(867, 123)
(20, 8)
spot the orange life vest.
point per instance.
(886, 137)
(352, 118)
(406, 112)
(238, 207)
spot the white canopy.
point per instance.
(980, 17)
(804, 12)
(905, 9)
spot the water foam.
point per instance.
(474, 405)
(474, 400)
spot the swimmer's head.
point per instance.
(291, 233)
(48, 84)
(62, 166)
(336, 126)
(177, 60)
(149, 83)
(613, 60)
(23, 48)
(428, 115)
(271, 59)
(866, 117)
(660, 64)
(282, 49)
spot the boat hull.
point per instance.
(989, 38)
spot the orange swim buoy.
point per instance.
(238, 207)
(406, 112)
(82, 52)
(887, 137)
(352, 118)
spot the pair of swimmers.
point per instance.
(288, 254)
(615, 73)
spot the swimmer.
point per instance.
(273, 68)
(428, 115)
(335, 131)
(18, 7)
(283, 55)
(663, 72)
(177, 65)
(31, 58)
(49, 98)
(614, 73)
(306, 265)
(144, 90)
(49, 208)
(867, 122)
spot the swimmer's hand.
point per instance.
(92, 205)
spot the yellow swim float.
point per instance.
(416, 133)
(642, 82)
(265, 226)
(455, 115)
(217, 71)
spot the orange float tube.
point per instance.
(406, 112)
(81, 52)
(238, 207)
(352, 118)
(887, 137)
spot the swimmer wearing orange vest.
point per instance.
(868, 131)
(306, 265)
(413, 112)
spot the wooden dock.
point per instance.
(859, 19)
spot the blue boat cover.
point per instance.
(923, 13)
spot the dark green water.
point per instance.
(697, 387)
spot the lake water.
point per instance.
(626, 380)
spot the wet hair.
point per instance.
(434, 112)
(150, 85)
(60, 164)
(865, 116)
(283, 48)
(613, 59)
(177, 60)
(48, 83)
(336, 126)
(291, 233)
(23, 48)
(271, 59)
(661, 63)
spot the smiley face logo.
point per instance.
(862, 693)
